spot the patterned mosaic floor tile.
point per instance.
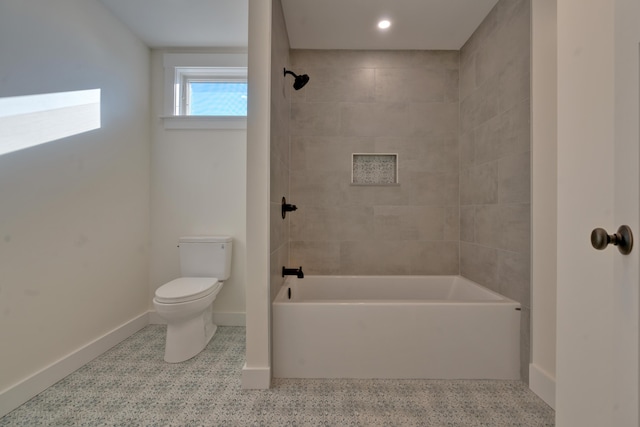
(131, 385)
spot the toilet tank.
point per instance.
(205, 256)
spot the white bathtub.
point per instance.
(438, 327)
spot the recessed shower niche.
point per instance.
(374, 169)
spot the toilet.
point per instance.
(186, 303)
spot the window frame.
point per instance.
(182, 68)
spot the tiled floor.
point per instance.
(131, 385)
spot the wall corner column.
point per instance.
(256, 373)
(544, 124)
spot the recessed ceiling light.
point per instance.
(384, 24)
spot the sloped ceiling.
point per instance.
(185, 23)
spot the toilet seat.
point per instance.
(186, 289)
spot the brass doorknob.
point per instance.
(623, 239)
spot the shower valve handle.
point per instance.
(287, 207)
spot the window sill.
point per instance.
(204, 122)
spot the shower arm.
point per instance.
(289, 72)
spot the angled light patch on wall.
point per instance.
(26, 121)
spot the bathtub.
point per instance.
(429, 327)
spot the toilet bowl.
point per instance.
(186, 305)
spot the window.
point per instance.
(209, 91)
(205, 91)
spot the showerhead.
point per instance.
(300, 81)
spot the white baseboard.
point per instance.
(256, 378)
(542, 384)
(21, 392)
(219, 318)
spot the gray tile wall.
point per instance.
(280, 160)
(495, 219)
(403, 102)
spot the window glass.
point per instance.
(207, 98)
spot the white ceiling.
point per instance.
(311, 24)
(352, 24)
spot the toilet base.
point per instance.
(187, 338)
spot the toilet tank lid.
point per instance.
(205, 239)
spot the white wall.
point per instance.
(74, 212)
(542, 370)
(198, 187)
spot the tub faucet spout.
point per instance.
(293, 272)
